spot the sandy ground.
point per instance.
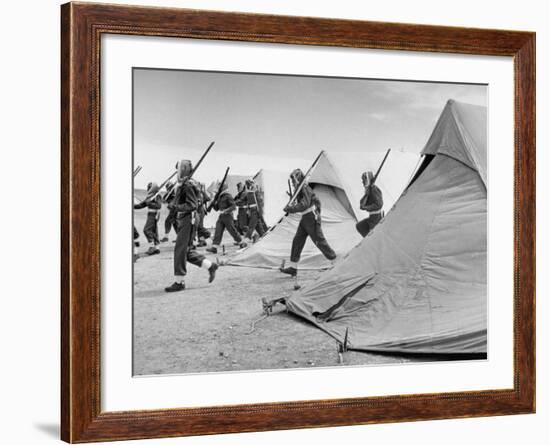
(208, 327)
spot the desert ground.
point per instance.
(209, 327)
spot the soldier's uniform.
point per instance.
(170, 221)
(225, 205)
(254, 215)
(242, 209)
(153, 205)
(309, 207)
(372, 202)
(186, 203)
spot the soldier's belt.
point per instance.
(305, 212)
(250, 206)
(375, 212)
(152, 210)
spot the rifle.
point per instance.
(381, 165)
(306, 176)
(295, 194)
(137, 170)
(192, 171)
(218, 192)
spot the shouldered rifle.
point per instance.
(176, 172)
(137, 170)
(381, 165)
(298, 189)
(218, 192)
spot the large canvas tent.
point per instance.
(336, 180)
(272, 187)
(418, 282)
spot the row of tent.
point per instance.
(418, 282)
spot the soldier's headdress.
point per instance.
(367, 178)
(152, 189)
(184, 168)
(249, 183)
(297, 176)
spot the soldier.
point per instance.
(242, 212)
(170, 220)
(308, 206)
(186, 203)
(372, 202)
(225, 205)
(153, 203)
(253, 203)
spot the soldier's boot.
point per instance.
(164, 240)
(153, 250)
(292, 271)
(176, 286)
(213, 249)
(212, 272)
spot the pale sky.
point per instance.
(277, 122)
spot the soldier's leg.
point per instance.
(199, 260)
(312, 225)
(252, 224)
(151, 233)
(181, 248)
(298, 244)
(218, 235)
(230, 226)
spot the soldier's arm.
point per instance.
(376, 202)
(229, 204)
(303, 202)
(364, 199)
(141, 205)
(156, 204)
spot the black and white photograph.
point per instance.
(291, 221)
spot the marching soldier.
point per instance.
(242, 212)
(225, 205)
(170, 220)
(308, 206)
(186, 203)
(372, 202)
(254, 216)
(153, 204)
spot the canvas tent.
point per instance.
(272, 187)
(336, 180)
(418, 282)
(231, 181)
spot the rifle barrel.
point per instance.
(301, 185)
(192, 172)
(218, 192)
(381, 165)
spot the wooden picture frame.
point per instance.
(82, 25)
